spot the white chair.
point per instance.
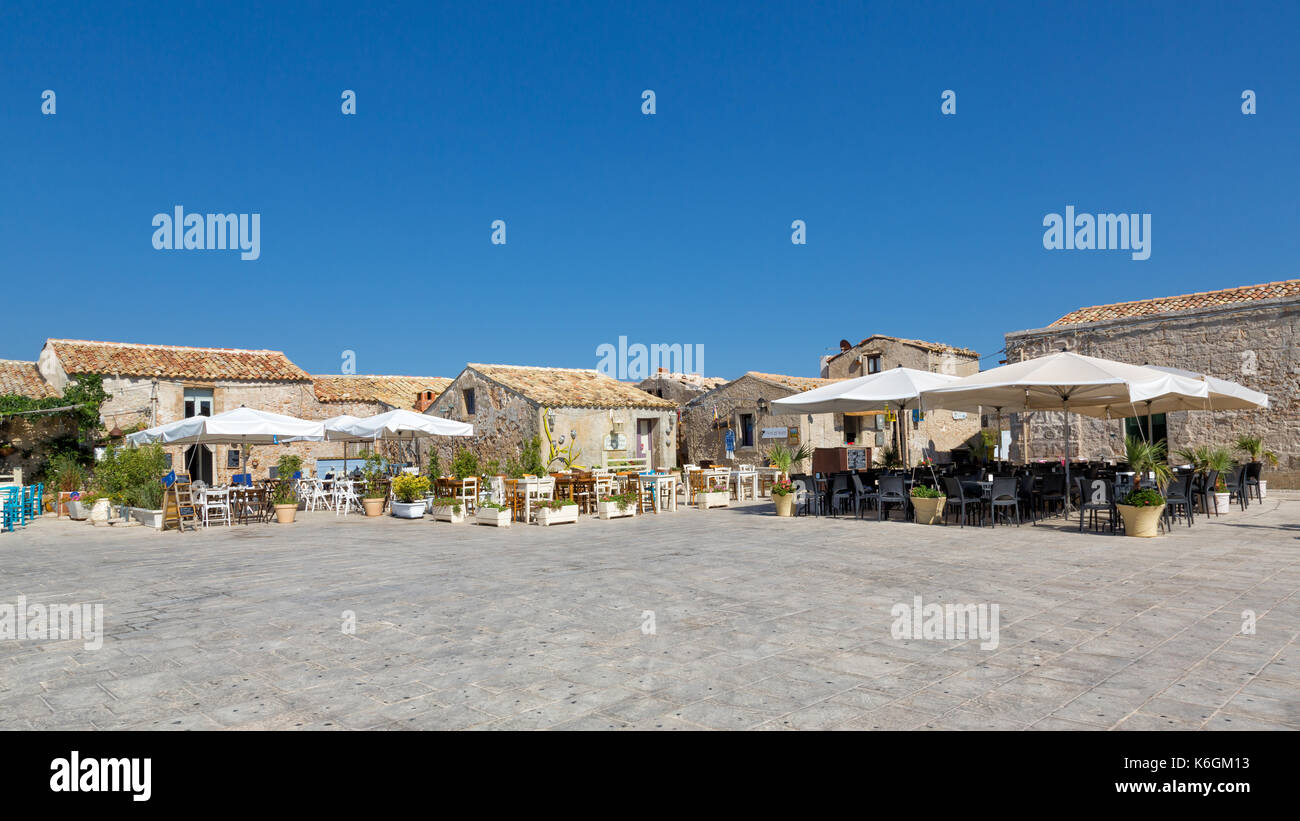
(468, 493)
(317, 495)
(215, 505)
(345, 497)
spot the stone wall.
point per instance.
(894, 353)
(706, 440)
(503, 420)
(1253, 345)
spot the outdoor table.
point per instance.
(750, 476)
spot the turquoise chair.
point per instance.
(10, 508)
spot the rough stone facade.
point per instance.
(1252, 343)
(504, 419)
(706, 418)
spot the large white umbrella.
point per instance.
(241, 426)
(894, 389)
(394, 426)
(1223, 394)
(1066, 382)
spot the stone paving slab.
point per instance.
(759, 623)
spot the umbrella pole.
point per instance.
(999, 448)
(1066, 504)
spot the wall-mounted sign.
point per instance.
(774, 433)
(857, 458)
(959, 414)
(793, 436)
(616, 441)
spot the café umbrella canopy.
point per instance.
(394, 426)
(241, 426)
(1063, 381)
(894, 389)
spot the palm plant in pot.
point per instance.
(783, 458)
(409, 491)
(283, 495)
(1253, 446)
(1142, 508)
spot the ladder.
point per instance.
(178, 505)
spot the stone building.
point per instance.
(1246, 335)
(155, 384)
(592, 418)
(680, 389)
(22, 436)
(939, 431)
(743, 405)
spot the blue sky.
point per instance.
(675, 228)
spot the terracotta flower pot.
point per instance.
(284, 513)
(929, 510)
(374, 507)
(1143, 522)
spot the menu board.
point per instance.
(857, 458)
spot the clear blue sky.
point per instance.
(666, 228)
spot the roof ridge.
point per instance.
(534, 368)
(167, 347)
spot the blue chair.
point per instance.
(34, 501)
(10, 507)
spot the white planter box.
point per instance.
(447, 514)
(492, 517)
(148, 518)
(408, 510)
(1263, 488)
(1221, 504)
(609, 510)
(546, 516)
(77, 511)
(714, 498)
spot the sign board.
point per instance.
(774, 433)
(794, 436)
(857, 458)
(959, 414)
(616, 441)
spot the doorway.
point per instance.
(645, 437)
(198, 463)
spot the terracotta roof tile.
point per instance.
(1186, 302)
(570, 387)
(395, 391)
(22, 378)
(798, 383)
(78, 356)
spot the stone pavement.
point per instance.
(758, 622)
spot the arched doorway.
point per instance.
(198, 463)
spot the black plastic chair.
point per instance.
(891, 493)
(1203, 491)
(1095, 496)
(1004, 494)
(1236, 481)
(840, 492)
(1178, 499)
(1054, 492)
(957, 500)
(1253, 472)
(863, 494)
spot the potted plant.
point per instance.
(409, 491)
(448, 509)
(375, 494)
(78, 506)
(783, 458)
(492, 514)
(1253, 446)
(558, 511)
(1219, 459)
(928, 502)
(783, 497)
(616, 505)
(712, 497)
(129, 477)
(1141, 510)
(283, 496)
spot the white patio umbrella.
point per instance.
(894, 389)
(1062, 381)
(394, 426)
(241, 426)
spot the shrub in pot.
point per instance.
(1141, 510)
(554, 512)
(283, 496)
(448, 509)
(409, 491)
(928, 503)
(1253, 446)
(616, 505)
(492, 514)
(375, 494)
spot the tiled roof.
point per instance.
(932, 347)
(1186, 302)
(570, 387)
(79, 356)
(395, 391)
(798, 383)
(22, 378)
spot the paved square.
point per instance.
(759, 623)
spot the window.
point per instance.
(198, 402)
(468, 393)
(1137, 426)
(873, 363)
(747, 430)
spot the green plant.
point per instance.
(1143, 497)
(492, 467)
(923, 492)
(782, 487)
(1148, 457)
(409, 487)
(374, 472)
(623, 500)
(492, 506)
(889, 457)
(556, 504)
(448, 501)
(131, 476)
(783, 457)
(434, 468)
(64, 472)
(283, 493)
(1253, 446)
(1196, 457)
(531, 459)
(464, 464)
